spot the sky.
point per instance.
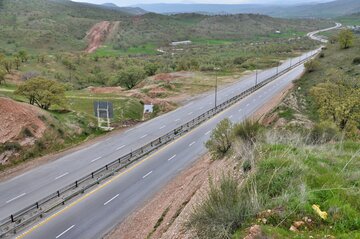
(134, 2)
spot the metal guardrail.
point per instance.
(12, 224)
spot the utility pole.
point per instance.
(256, 79)
(216, 84)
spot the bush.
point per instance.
(12, 146)
(221, 139)
(222, 211)
(312, 66)
(356, 60)
(323, 133)
(322, 55)
(239, 60)
(248, 130)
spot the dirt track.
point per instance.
(97, 35)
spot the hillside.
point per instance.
(324, 10)
(58, 25)
(61, 26)
(161, 30)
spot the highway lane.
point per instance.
(96, 212)
(39, 182)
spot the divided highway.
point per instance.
(92, 215)
(53, 176)
(114, 200)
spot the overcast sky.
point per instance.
(134, 2)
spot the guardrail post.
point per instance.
(58, 193)
(76, 183)
(106, 166)
(37, 205)
(92, 174)
(12, 218)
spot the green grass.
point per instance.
(212, 41)
(108, 51)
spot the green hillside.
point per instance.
(59, 25)
(161, 29)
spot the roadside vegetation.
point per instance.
(297, 173)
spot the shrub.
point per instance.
(323, 132)
(12, 146)
(248, 130)
(312, 66)
(221, 139)
(222, 211)
(356, 60)
(322, 55)
(239, 60)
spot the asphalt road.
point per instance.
(95, 213)
(38, 183)
(313, 35)
(98, 211)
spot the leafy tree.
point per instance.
(346, 38)
(338, 103)
(42, 92)
(2, 76)
(151, 69)
(8, 65)
(17, 62)
(23, 56)
(130, 77)
(221, 139)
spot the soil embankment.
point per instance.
(16, 118)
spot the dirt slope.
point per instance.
(98, 34)
(15, 117)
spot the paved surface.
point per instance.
(38, 183)
(313, 35)
(96, 212)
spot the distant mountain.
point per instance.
(310, 10)
(130, 10)
(109, 4)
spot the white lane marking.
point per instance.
(62, 175)
(230, 116)
(65, 231)
(247, 105)
(190, 113)
(120, 147)
(192, 144)
(143, 136)
(162, 127)
(95, 159)
(208, 132)
(21, 195)
(129, 130)
(147, 174)
(202, 107)
(172, 157)
(111, 199)
(177, 120)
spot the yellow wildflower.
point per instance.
(317, 209)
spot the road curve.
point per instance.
(313, 35)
